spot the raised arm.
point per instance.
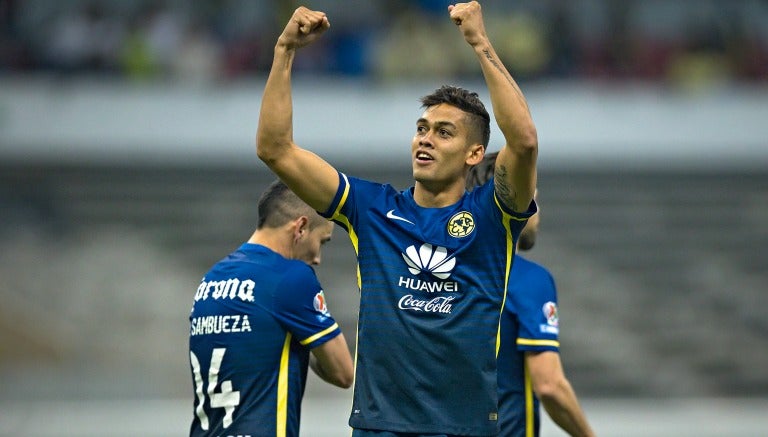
(306, 174)
(515, 173)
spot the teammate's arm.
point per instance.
(515, 173)
(332, 362)
(306, 174)
(556, 393)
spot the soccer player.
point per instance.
(255, 318)
(433, 260)
(529, 367)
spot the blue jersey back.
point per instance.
(432, 285)
(254, 319)
(529, 323)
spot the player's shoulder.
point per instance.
(292, 267)
(365, 191)
(530, 266)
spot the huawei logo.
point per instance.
(428, 258)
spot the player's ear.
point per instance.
(475, 154)
(300, 227)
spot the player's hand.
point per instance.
(304, 27)
(469, 17)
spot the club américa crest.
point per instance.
(461, 224)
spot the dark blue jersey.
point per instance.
(432, 284)
(529, 323)
(254, 319)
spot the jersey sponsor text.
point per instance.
(228, 289)
(429, 287)
(441, 304)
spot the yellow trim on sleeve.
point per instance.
(531, 342)
(343, 196)
(503, 211)
(308, 340)
(344, 220)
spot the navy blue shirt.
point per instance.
(254, 319)
(432, 284)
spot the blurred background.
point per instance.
(128, 167)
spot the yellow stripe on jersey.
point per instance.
(282, 388)
(528, 402)
(531, 342)
(343, 197)
(353, 238)
(507, 268)
(508, 215)
(344, 221)
(308, 340)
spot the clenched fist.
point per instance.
(304, 27)
(469, 17)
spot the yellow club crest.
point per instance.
(461, 224)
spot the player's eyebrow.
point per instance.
(423, 120)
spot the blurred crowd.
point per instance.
(677, 41)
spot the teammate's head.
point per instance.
(527, 238)
(482, 173)
(280, 208)
(451, 136)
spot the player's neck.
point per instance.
(427, 196)
(274, 240)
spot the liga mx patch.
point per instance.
(319, 303)
(461, 224)
(553, 321)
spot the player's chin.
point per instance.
(422, 169)
(420, 174)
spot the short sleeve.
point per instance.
(537, 312)
(301, 307)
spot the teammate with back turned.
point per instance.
(255, 318)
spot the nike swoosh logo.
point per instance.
(391, 214)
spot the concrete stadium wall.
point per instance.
(584, 125)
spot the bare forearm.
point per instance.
(275, 131)
(318, 369)
(564, 409)
(510, 107)
(333, 363)
(515, 174)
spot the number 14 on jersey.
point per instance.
(226, 398)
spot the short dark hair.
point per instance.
(467, 101)
(481, 172)
(278, 205)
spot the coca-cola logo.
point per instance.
(440, 304)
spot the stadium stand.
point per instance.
(661, 274)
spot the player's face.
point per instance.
(309, 247)
(441, 146)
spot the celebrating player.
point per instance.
(433, 260)
(256, 315)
